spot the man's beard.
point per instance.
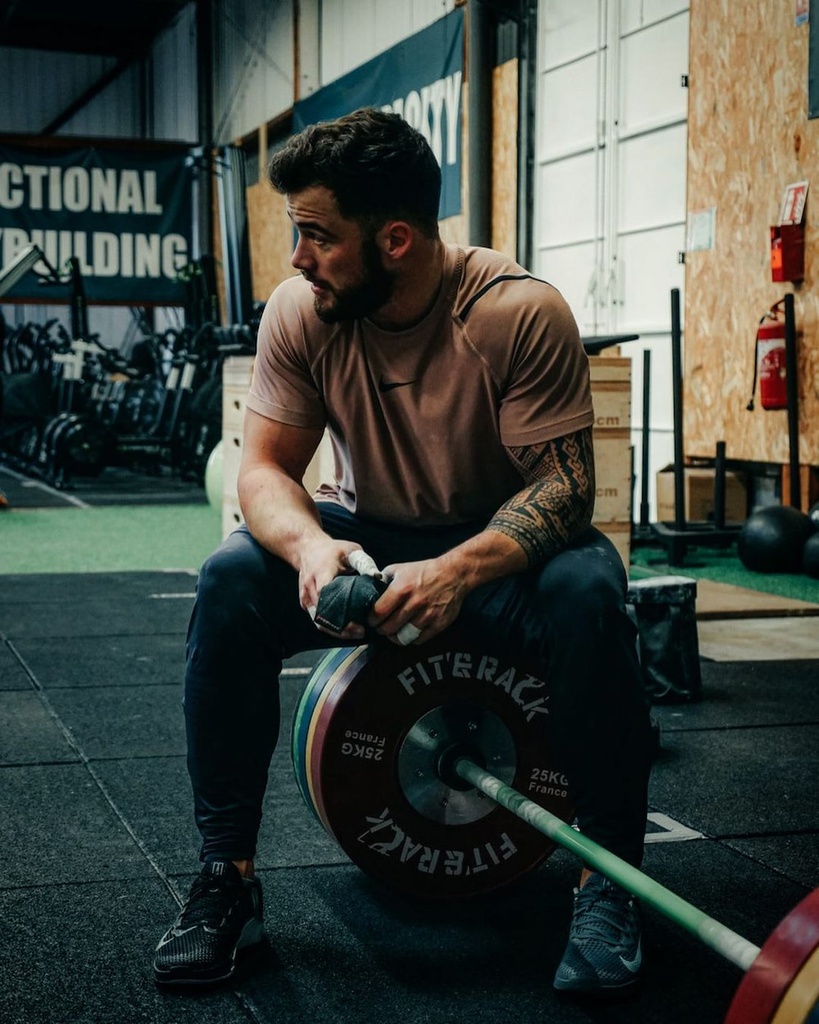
(362, 299)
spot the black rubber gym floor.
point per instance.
(115, 485)
(96, 841)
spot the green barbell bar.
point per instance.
(720, 938)
(385, 745)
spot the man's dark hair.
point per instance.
(377, 166)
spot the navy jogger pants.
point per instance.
(568, 614)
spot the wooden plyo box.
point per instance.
(611, 394)
(236, 374)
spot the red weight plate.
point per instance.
(779, 962)
(359, 752)
(802, 996)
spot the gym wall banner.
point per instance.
(421, 79)
(126, 216)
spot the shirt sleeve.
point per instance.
(282, 387)
(547, 393)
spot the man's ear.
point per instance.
(395, 239)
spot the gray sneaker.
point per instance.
(604, 955)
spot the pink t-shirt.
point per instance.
(419, 418)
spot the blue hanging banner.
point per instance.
(420, 79)
(813, 67)
(125, 216)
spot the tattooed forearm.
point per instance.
(558, 499)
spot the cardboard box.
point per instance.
(699, 495)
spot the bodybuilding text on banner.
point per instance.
(125, 216)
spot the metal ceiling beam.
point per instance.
(130, 50)
(90, 93)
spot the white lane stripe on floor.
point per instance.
(671, 831)
(41, 486)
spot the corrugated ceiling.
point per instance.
(113, 28)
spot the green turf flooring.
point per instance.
(722, 566)
(107, 539)
(152, 537)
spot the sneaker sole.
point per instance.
(600, 993)
(252, 935)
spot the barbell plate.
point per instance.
(304, 710)
(356, 744)
(329, 678)
(802, 995)
(781, 958)
(301, 722)
(323, 680)
(322, 714)
(339, 671)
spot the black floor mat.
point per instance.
(96, 834)
(114, 486)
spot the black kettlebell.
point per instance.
(813, 515)
(772, 539)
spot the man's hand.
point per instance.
(426, 595)
(321, 562)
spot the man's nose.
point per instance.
(301, 259)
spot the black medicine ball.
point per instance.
(810, 557)
(772, 539)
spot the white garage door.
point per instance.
(610, 181)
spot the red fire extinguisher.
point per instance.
(769, 360)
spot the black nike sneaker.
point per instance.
(222, 914)
(604, 954)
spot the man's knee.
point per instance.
(240, 570)
(230, 565)
(238, 589)
(583, 583)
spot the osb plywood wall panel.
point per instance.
(217, 248)
(271, 239)
(749, 137)
(505, 158)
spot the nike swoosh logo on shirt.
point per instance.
(384, 386)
